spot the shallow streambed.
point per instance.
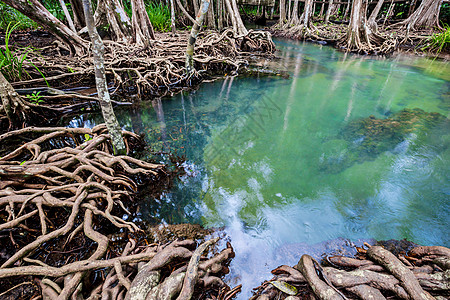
(287, 164)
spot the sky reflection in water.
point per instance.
(267, 158)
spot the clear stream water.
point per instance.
(274, 162)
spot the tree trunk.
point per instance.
(282, 12)
(241, 27)
(34, 10)
(294, 17)
(327, 16)
(307, 13)
(193, 36)
(425, 17)
(232, 15)
(219, 14)
(358, 33)
(142, 27)
(412, 7)
(117, 18)
(67, 14)
(373, 16)
(11, 103)
(347, 9)
(100, 80)
(172, 16)
(322, 8)
(78, 14)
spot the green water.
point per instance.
(276, 162)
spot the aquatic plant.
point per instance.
(364, 139)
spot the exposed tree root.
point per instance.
(159, 69)
(412, 276)
(62, 187)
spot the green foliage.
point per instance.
(249, 10)
(12, 62)
(438, 41)
(9, 14)
(35, 98)
(159, 15)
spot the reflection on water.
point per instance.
(272, 159)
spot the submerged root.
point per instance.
(375, 273)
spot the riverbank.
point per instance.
(390, 39)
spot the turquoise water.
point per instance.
(279, 164)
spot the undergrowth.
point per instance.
(159, 15)
(12, 61)
(438, 41)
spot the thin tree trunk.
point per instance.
(67, 14)
(142, 27)
(172, 16)
(231, 15)
(282, 12)
(241, 27)
(373, 16)
(412, 7)
(294, 17)
(327, 16)
(34, 10)
(220, 15)
(391, 7)
(100, 80)
(347, 9)
(118, 19)
(193, 36)
(210, 16)
(10, 101)
(78, 14)
(322, 8)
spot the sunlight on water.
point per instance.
(287, 164)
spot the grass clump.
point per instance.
(439, 41)
(159, 15)
(12, 61)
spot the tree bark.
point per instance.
(193, 36)
(172, 16)
(78, 14)
(425, 17)
(142, 27)
(67, 14)
(372, 23)
(282, 12)
(327, 16)
(34, 10)
(118, 19)
(358, 34)
(100, 80)
(11, 103)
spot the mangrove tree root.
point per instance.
(375, 273)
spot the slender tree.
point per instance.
(372, 19)
(98, 50)
(193, 36)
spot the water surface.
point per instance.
(279, 163)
